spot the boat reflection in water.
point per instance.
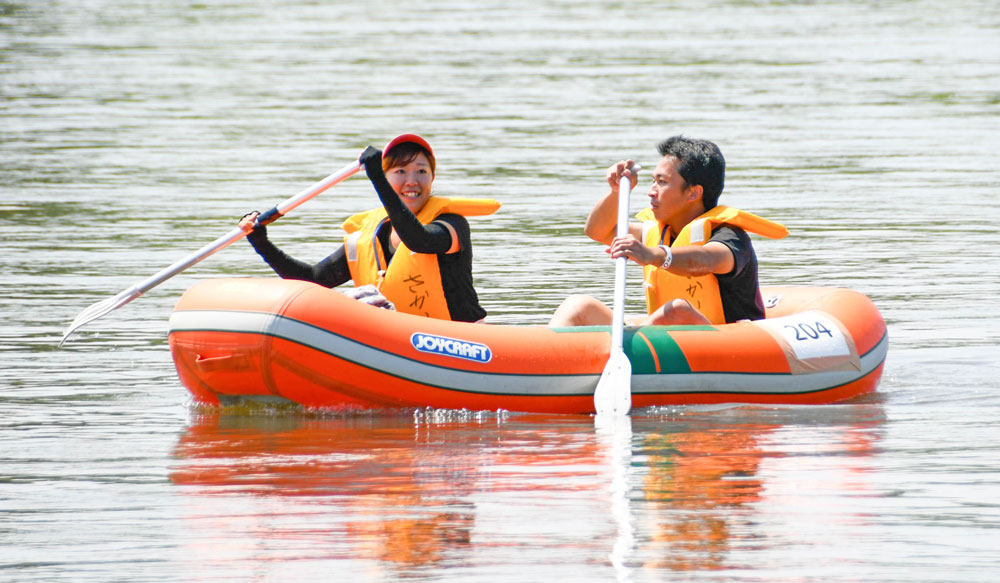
(697, 483)
(718, 488)
(393, 498)
(424, 490)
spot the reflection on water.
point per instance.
(401, 491)
(409, 493)
(697, 483)
(710, 490)
(404, 502)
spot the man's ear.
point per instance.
(694, 192)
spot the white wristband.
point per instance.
(669, 259)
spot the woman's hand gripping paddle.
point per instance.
(613, 395)
(103, 307)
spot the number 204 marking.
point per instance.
(810, 334)
(804, 331)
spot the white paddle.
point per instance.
(613, 395)
(103, 307)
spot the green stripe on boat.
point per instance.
(669, 355)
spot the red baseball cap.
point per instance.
(413, 138)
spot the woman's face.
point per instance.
(412, 182)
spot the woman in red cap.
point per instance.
(415, 249)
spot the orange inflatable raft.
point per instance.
(273, 340)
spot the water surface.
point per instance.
(132, 133)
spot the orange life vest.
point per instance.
(702, 291)
(411, 281)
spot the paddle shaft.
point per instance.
(267, 217)
(125, 296)
(618, 313)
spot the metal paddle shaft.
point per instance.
(104, 307)
(613, 395)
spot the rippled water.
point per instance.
(133, 132)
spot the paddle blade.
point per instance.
(99, 309)
(613, 395)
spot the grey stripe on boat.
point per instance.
(511, 384)
(380, 360)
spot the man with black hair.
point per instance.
(699, 266)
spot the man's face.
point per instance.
(669, 191)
